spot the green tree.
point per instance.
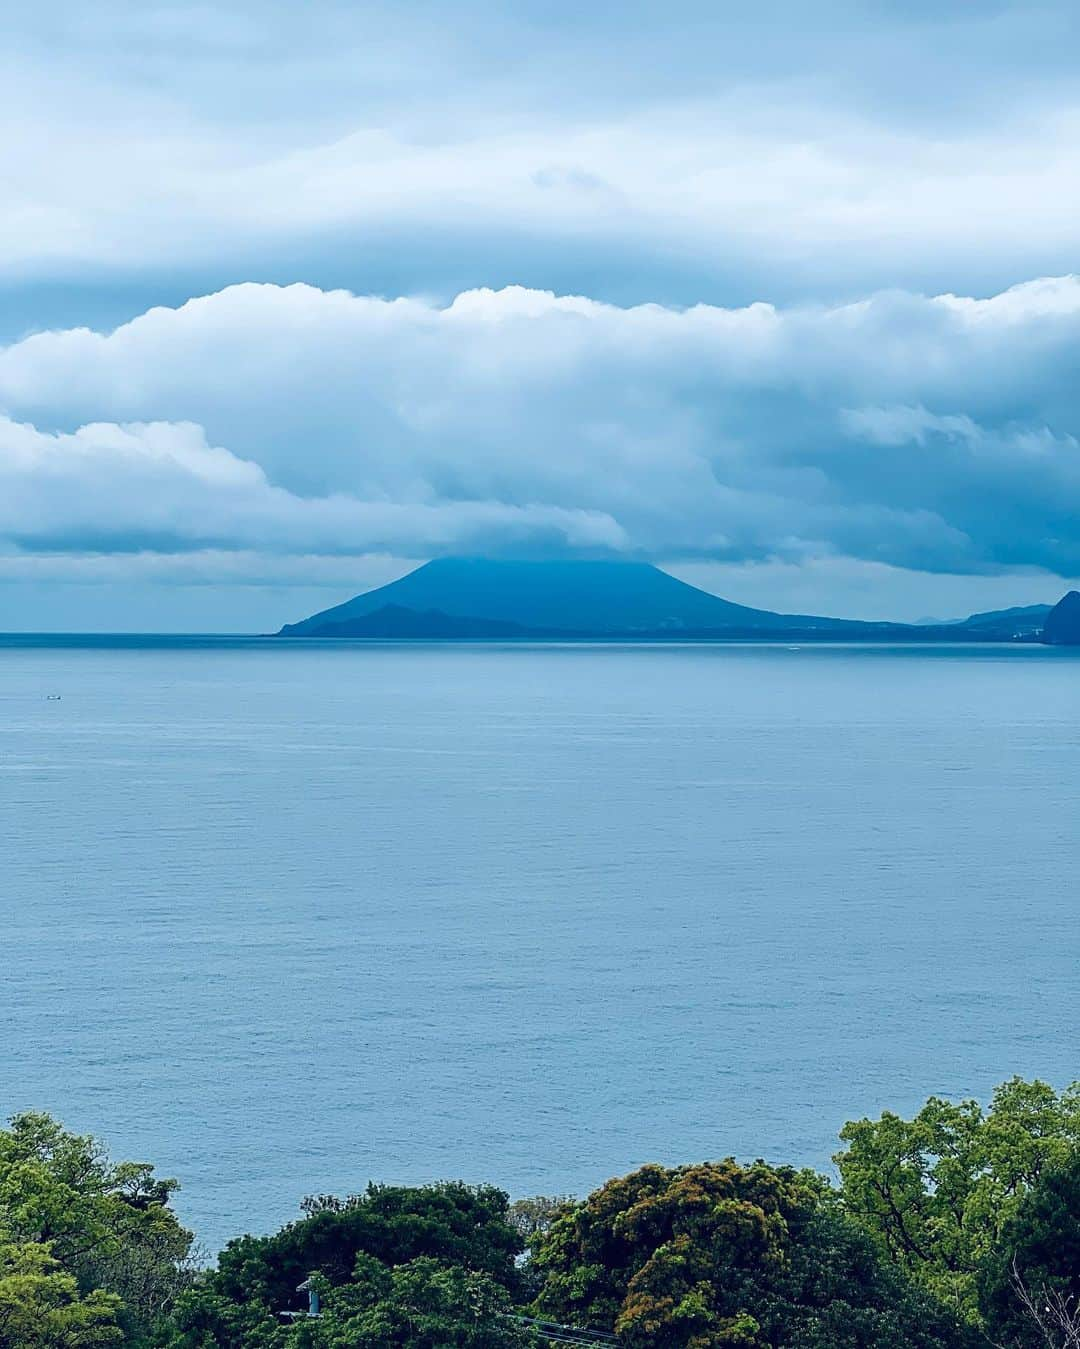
(203, 1318)
(699, 1257)
(432, 1264)
(453, 1223)
(936, 1191)
(645, 1254)
(420, 1305)
(423, 1304)
(41, 1306)
(108, 1226)
(1030, 1285)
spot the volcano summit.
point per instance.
(476, 597)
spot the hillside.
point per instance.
(1023, 618)
(1062, 626)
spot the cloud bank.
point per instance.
(689, 151)
(938, 434)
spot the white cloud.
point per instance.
(936, 434)
(213, 138)
(714, 180)
(686, 151)
(134, 487)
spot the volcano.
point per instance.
(477, 597)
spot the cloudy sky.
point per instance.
(779, 296)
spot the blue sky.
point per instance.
(778, 296)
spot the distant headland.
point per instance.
(502, 599)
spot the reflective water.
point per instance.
(284, 918)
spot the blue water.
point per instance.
(284, 918)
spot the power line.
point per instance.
(557, 1333)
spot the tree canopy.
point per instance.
(955, 1228)
(86, 1242)
(718, 1254)
(431, 1265)
(41, 1306)
(936, 1191)
(1036, 1263)
(451, 1222)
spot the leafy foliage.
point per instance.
(956, 1228)
(91, 1224)
(41, 1306)
(423, 1304)
(205, 1319)
(532, 1217)
(411, 1267)
(419, 1305)
(1037, 1258)
(457, 1224)
(698, 1257)
(936, 1191)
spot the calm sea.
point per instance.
(283, 918)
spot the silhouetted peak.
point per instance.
(1062, 626)
(555, 595)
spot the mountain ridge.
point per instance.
(1023, 617)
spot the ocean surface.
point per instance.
(283, 918)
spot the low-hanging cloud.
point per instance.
(930, 433)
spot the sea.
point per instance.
(286, 917)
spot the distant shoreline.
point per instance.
(59, 640)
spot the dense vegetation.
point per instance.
(957, 1228)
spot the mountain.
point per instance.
(395, 621)
(1062, 626)
(1026, 618)
(548, 597)
(482, 598)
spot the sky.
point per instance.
(780, 297)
